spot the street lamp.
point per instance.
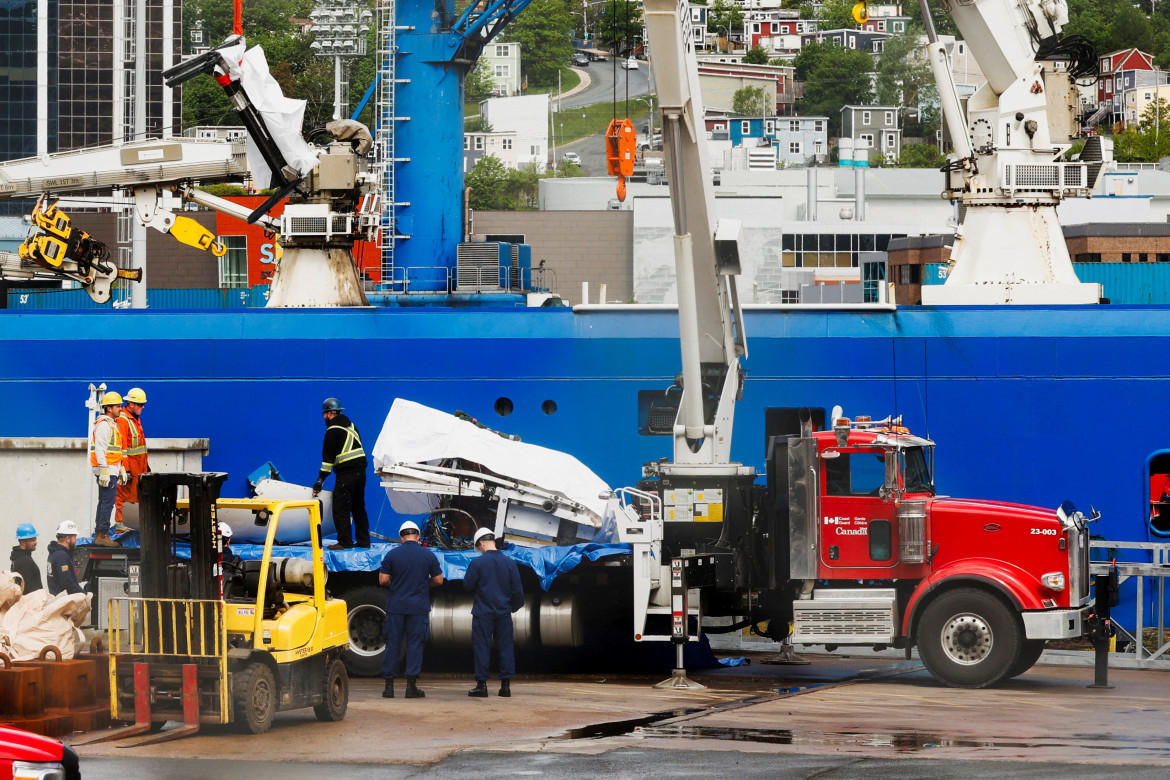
(339, 29)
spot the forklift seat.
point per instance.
(273, 596)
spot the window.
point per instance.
(865, 140)
(899, 26)
(502, 71)
(719, 126)
(889, 117)
(794, 147)
(770, 127)
(506, 143)
(466, 142)
(866, 118)
(790, 296)
(196, 35)
(1143, 257)
(501, 51)
(819, 147)
(961, 48)
(534, 150)
(1125, 257)
(909, 274)
(756, 27)
(855, 474)
(745, 128)
(890, 141)
(794, 125)
(479, 143)
(233, 266)
(1148, 95)
(819, 125)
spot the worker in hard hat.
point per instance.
(62, 576)
(233, 565)
(342, 455)
(22, 560)
(105, 457)
(495, 580)
(134, 461)
(410, 570)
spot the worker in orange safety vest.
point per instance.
(134, 459)
(105, 457)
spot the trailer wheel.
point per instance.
(1030, 652)
(968, 638)
(367, 625)
(332, 708)
(255, 695)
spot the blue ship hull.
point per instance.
(1034, 405)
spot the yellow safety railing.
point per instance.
(169, 630)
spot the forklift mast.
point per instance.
(163, 521)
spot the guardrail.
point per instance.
(1157, 567)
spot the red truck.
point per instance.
(28, 756)
(850, 545)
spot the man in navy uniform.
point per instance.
(410, 570)
(496, 581)
(62, 576)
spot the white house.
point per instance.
(526, 116)
(503, 61)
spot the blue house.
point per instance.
(795, 140)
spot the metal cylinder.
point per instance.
(451, 620)
(810, 208)
(294, 572)
(560, 621)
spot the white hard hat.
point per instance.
(481, 533)
(409, 525)
(225, 530)
(67, 528)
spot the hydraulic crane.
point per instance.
(1008, 169)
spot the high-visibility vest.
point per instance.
(351, 450)
(130, 433)
(113, 447)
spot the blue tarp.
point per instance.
(548, 562)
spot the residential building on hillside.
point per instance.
(527, 117)
(501, 145)
(796, 140)
(503, 61)
(873, 127)
(719, 80)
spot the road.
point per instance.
(839, 717)
(603, 75)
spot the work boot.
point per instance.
(412, 691)
(506, 688)
(340, 546)
(479, 691)
(102, 539)
(388, 691)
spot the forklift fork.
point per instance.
(142, 713)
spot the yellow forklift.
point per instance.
(200, 640)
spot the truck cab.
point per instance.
(878, 558)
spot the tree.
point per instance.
(1150, 140)
(920, 156)
(542, 30)
(488, 182)
(479, 84)
(620, 26)
(756, 56)
(748, 101)
(724, 17)
(904, 78)
(833, 77)
(837, 15)
(477, 124)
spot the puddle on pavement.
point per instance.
(904, 742)
(616, 728)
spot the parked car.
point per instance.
(24, 754)
(580, 60)
(653, 142)
(629, 64)
(571, 157)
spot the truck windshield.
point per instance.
(917, 463)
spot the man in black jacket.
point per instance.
(62, 575)
(343, 456)
(22, 560)
(495, 581)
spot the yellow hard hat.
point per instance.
(111, 399)
(136, 396)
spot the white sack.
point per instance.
(38, 620)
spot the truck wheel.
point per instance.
(332, 708)
(1030, 652)
(367, 624)
(968, 638)
(255, 695)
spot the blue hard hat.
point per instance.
(25, 531)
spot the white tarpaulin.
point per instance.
(414, 433)
(283, 116)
